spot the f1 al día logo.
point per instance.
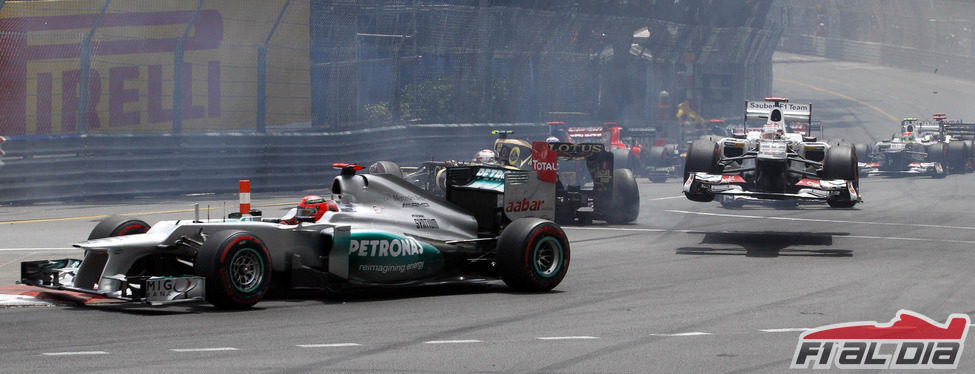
(909, 341)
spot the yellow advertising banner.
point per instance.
(132, 63)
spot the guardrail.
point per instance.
(2, 139)
(105, 166)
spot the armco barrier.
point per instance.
(111, 166)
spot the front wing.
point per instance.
(734, 185)
(914, 168)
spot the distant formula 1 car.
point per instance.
(377, 231)
(772, 163)
(923, 148)
(588, 186)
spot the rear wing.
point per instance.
(959, 130)
(790, 111)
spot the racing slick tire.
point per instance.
(626, 198)
(702, 156)
(863, 150)
(957, 157)
(118, 226)
(936, 153)
(841, 163)
(622, 158)
(385, 167)
(237, 268)
(532, 255)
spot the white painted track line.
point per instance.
(83, 353)
(694, 333)
(217, 349)
(791, 329)
(467, 341)
(329, 345)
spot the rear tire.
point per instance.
(532, 255)
(957, 157)
(626, 198)
(237, 268)
(385, 167)
(863, 151)
(118, 226)
(621, 158)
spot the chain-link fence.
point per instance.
(129, 66)
(473, 61)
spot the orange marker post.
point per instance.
(244, 186)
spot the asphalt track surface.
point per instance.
(691, 287)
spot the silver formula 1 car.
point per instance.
(934, 148)
(377, 230)
(772, 163)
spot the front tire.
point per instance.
(703, 157)
(532, 255)
(385, 167)
(118, 226)
(237, 268)
(841, 163)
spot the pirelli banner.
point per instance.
(133, 47)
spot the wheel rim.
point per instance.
(247, 270)
(548, 257)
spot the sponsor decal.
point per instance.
(171, 288)
(514, 156)
(405, 198)
(909, 341)
(544, 166)
(576, 149)
(424, 223)
(385, 247)
(545, 162)
(806, 182)
(131, 78)
(731, 178)
(416, 205)
(383, 269)
(524, 206)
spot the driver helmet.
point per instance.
(907, 136)
(486, 156)
(315, 206)
(772, 131)
(552, 139)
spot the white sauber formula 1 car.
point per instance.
(377, 230)
(771, 163)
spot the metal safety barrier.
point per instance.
(93, 166)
